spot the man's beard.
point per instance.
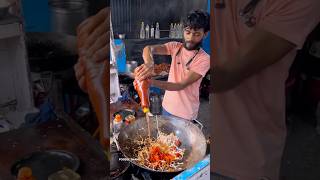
(191, 46)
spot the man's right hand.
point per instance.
(144, 71)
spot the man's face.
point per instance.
(193, 38)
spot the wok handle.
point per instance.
(198, 123)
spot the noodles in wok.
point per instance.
(162, 154)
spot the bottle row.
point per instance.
(147, 32)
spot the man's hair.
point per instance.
(198, 19)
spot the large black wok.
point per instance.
(191, 137)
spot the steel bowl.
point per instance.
(131, 66)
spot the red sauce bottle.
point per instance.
(142, 88)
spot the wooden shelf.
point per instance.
(153, 39)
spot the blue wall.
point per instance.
(36, 15)
(206, 41)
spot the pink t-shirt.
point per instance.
(249, 127)
(185, 103)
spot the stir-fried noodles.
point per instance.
(162, 154)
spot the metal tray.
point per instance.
(45, 163)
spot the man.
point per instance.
(189, 65)
(92, 67)
(253, 48)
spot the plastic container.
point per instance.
(121, 56)
(117, 123)
(171, 31)
(147, 32)
(152, 32)
(157, 32)
(142, 31)
(129, 119)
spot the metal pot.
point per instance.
(67, 15)
(131, 66)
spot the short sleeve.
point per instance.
(172, 47)
(201, 64)
(292, 20)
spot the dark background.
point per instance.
(127, 15)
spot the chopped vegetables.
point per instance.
(118, 118)
(25, 173)
(162, 153)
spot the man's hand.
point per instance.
(79, 69)
(91, 68)
(144, 71)
(93, 43)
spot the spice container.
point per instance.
(129, 119)
(117, 122)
